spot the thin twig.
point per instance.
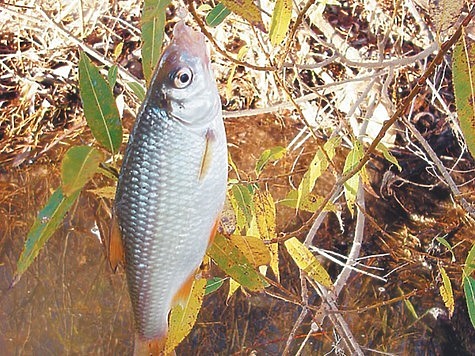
(191, 8)
(441, 168)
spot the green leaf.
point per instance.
(241, 199)
(79, 165)
(269, 155)
(388, 155)
(351, 185)
(446, 291)
(217, 15)
(247, 10)
(307, 262)
(213, 284)
(410, 307)
(463, 69)
(234, 263)
(469, 266)
(469, 289)
(445, 243)
(183, 317)
(137, 89)
(48, 220)
(153, 27)
(112, 76)
(279, 23)
(100, 109)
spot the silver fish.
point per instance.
(172, 183)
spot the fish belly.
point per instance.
(166, 212)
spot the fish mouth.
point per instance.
(191, 41)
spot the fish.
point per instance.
(172, 184)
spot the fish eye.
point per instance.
(182, 78)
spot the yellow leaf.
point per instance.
(104, 192)
(318, 165)
(253, 248)
(233, 287)
(310, 202)
(247, 10)
(388, 155)
(351, 185)
(182, 319)
(264, 207)
(274, 260)
(279, 23)
(446, 291)
(307, 262)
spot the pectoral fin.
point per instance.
(207, 155)
(116, 249)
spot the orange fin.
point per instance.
(116, 249)
(184, 292)
(155, 347)
(207, 155)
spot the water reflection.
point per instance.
(68, 301)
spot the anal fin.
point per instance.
(184, 292)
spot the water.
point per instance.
(70, 301)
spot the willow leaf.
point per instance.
(153, 28)
(253, 248)
(247, 10)
(446, 291)
(307, 262)
(469, 290)
(279, 23)
(213, 284)
(48, 220)
(183, 317)
(351, 185)
(269, 155)
(234, 263)
(78, 166)
(217, 15)
(100, 108)
(463, 69)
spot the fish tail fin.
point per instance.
(116, 249)
(154, 347)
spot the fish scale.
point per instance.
(172, 183)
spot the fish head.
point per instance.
(184, 84)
